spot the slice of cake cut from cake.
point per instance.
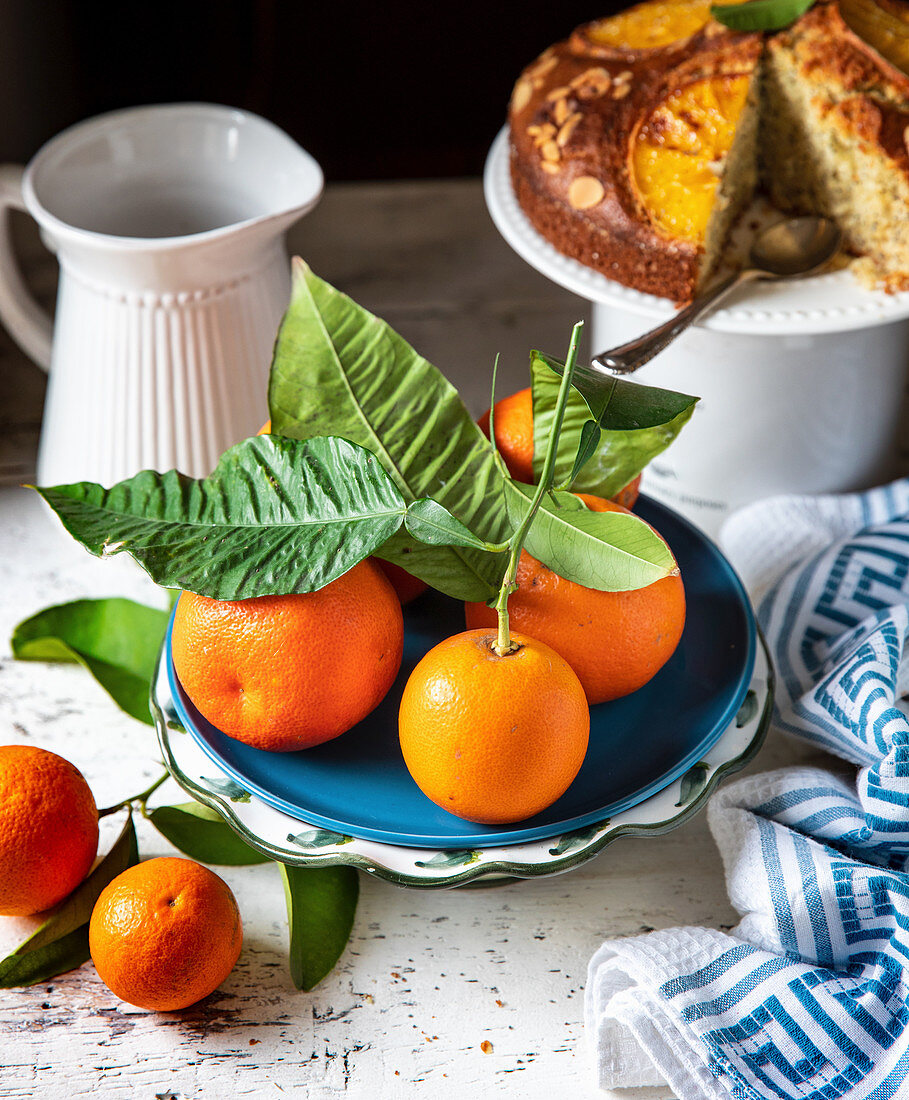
(834, 135)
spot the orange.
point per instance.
(677, 151)
(407, 587)
(514, 433)
(514, 439)
(48, 829)
(493, 739)
(626, 497)
(615, 641)
(165, 933)
(289, 672)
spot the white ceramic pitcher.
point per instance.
(168, 223)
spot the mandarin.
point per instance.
(615, 641)
(165, 933)
(514, 440)
(493, 738)
(407, 587)
(48, 829)
(288, 672)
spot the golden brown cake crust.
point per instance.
(574, 113)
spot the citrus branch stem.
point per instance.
(504, 645)
(140, 798)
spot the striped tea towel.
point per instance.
(806, 998)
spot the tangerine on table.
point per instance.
(165, 933)
(489, 738)
(288, 672)
(514, 440)
(615, 641)
(48, 829)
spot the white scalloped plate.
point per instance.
(834, 302)
(293, 841)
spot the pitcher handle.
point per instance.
(27, 322)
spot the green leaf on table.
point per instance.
(202, 833)
(339, 370)
(60, 943)
(321, 903)
(277, 516)
(117, 640)
(760, 15)
(635, 424)
(611, 551)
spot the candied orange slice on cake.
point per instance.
(679, 153)
(648, 26)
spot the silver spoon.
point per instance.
(788, 250)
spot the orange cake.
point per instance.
(637, 142)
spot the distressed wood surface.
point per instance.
(429, 978)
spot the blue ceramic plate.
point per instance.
(358, 784)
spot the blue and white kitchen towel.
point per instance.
(806, 998)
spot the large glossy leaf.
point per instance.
(321, 903)
(611, 551)
(203, 834)
(636, 423)
(339, 370)
(276, 516)
(117, 640)
(60, 943)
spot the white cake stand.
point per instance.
(801, 383)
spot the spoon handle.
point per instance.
(628, 357)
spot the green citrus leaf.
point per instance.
(117, 640)
(321, 903)
(611, 551)
(276, 516)
(61, 942)
(637, 423)
(339, 370)
(203, 834)
(434, 525)
(760, 15)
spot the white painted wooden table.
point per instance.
(428, 977)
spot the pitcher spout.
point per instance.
(164, 176)
(120, 196)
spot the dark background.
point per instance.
(403, 89)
